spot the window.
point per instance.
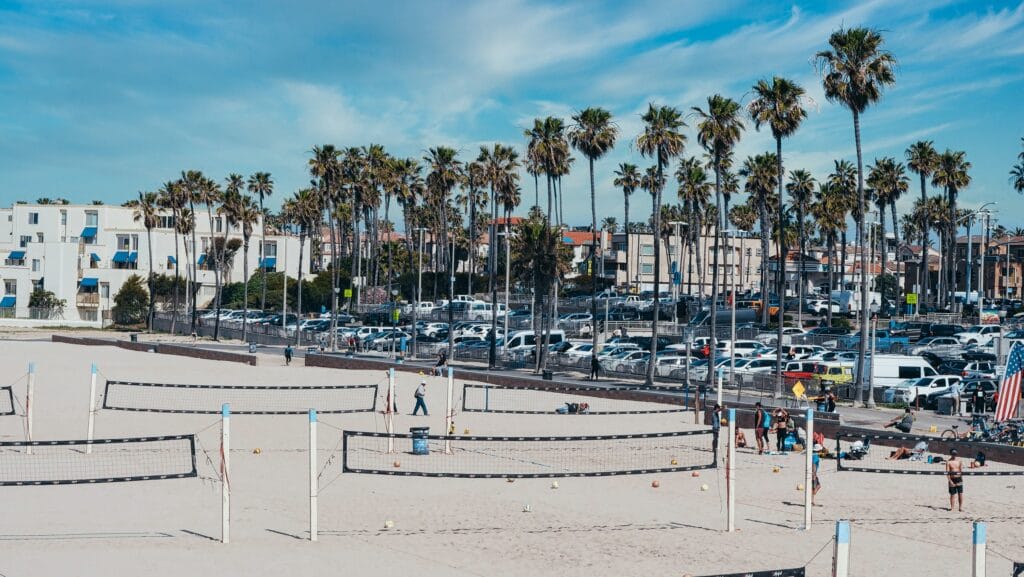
(135, 242)
(619, 246)
(33, 218)
(64, 217)
(105, 290)
(24, 241)
(166, 222)
(218, 225)
(206, 244)
(39, 237)
(647, 250)
(88, 314)
(757, 252)
(10, 287)
(646, 268)
(92, 218)
(270, 249)
(170, 263)
(123, 242)
(38, 285)
(35, 265)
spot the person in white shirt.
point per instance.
(954, 391)
(421, 393)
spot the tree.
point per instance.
(593, 134)
(130, 303)
(889, 181)
(801, 187)
(694, 192)
(779, 104)
(47, 303)
(147, 210)
(922, 159)
(953, 174)
(610, 224)
(302, 210)
(855, 72)
(718, 131)
(829, 212)
(190, 183)
(445, 169)
(171, 197)
(499, 167)
(242, 212)
(1017, 172)
(662, 139)
(261, 184)
(761, 180)
(627, 177)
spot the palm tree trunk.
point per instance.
(298, 304)
(922, 274)
(387, 217)
(863, 348)
(831, 274)
(188, 275)
(195, 271)
(335, 277)
(152, 302)
(782, 270)
(216, 273)
(656, 309)
(492, 269)
(593, 266)
(766, 233)
(177, 274)
(245, 289)
(881, 238)
(803, 271)
(263, 255)
(714, 274)
(842, 269)
(628, 280)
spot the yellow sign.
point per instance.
(799, 390)
(394, 315)
(348, 293)
(911, 298)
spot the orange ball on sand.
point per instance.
(695, 474)
(655, 483)
(398, 464)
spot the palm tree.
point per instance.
(829, 212)
(855, 72)
(694, 192)
(627, 177)
(240, 211)
(190, 182)
(923, 160)
(610, 224)
(952, 173)
(801, 187)
(743, 217)
(843, 182)
(1017, 172)
(718, 132)
(147, 210)
(761, 183)
(303, 210)
(888, 179)
(593, 134)
(442, 179)
(324, 168)
(779, 104)
(500, 170)
(262, 185)
(661, 139)
(171, 197)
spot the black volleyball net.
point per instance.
(915, 455)
(519, 457)
(562, 400)
(798, 572)
(97, 461)
(244, 399)
(7, 401)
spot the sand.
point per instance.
(587, 526)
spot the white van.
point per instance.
(892, 369)
(525, 340)
(480, 311)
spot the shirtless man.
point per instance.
(955, 476)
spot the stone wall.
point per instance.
(162, 348)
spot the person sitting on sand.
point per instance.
(903, 422)
(978, 462)
(741, 439)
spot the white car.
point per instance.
(579, 350)
(911, 391)
(933, 344)
(757, 366)
(799, 352)
(979, 334)
(739, 348)
(664, 366)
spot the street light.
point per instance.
(731, 234)
(419, 293)
(394, 319)
(675, 284)
(874, 336)
(970, 268)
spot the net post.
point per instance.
(841, 554)
(730, 473)
(978, 557)
(29, 394)
(721, 371)
(448, 420)
(389, 411)
(92, 408)
(225, 467)
(809, 470)
(314, 489)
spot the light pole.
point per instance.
(419, 293)
(871, 373)
(970, 265)
(679, 272)
(508, 274)
(981, 251)
(334, 321)
(731, 234)
(394, 319)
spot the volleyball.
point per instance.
(257, 451)
(397, 464)
(704, 487)
(389, 524)
(675, 462)
(655, 483)
(800, 487)
(554, 484)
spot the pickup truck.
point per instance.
(911, 391)
(884, 340)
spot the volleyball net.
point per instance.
(97, 461)
(798, 572)
(7, 402)
(915, 455)
(244, 399)
(560, 400)
(525, 457)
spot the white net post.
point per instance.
(314, 488)
(978, 554)
(448, 412)
(809, 470)
(841, 554)
(730, 472)
(92, 408)
(29, 398)
(720, 380)
(389, 411)
(225, 478)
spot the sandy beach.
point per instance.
(587, 526)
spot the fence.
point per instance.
(254, 333)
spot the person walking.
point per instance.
(954, 392)
(815, 483)
(420, 394)
(762, 421)
(288, 355)
(955, 476)
(442, 363)
(716, 424)
(595, 368)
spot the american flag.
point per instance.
(1009, 389)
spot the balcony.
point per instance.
(88, 300)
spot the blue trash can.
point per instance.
(419, 440)
(821, 407)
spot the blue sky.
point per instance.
(100, 99)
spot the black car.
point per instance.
(951, 367)
(941, 330)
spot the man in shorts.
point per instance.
(815, 483)
(760, 430)
(955, 476)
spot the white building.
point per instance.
(84, 253)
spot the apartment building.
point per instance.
(84, 253)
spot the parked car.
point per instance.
(979, 334)
(989, 388)
(916, 391)
(933, 344)
(941, 330)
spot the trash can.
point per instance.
(821, 407)
(252, 348)
(419, 440)
(134, 337)
(547, 375)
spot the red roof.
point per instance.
(581, 238)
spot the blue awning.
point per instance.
(16, 255)
(88, 232)
(7, 303)
(94, 257)
(121, 256)
(172, 260)
(202, 259)
(89, 282)
(567, 239)
(133, 257)
(269, 262)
